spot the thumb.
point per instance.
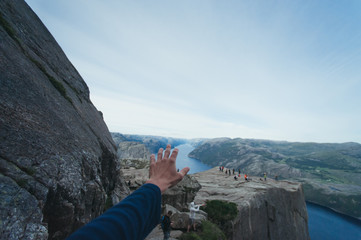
(184, 171)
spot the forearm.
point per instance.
(133, 218)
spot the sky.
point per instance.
(278, 70)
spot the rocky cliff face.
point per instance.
(330, 172)
(133, 150)
(133, 155)
(267, 209)
(57, 159)
(153, 143)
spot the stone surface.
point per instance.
(58, 162)
(133, 150)
(182, 194)
(178, 196)
(167, 208)
(267, 209)
(181, 220)
(157, 234)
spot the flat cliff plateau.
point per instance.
(267, 209)
(58, 163)
(329, 172)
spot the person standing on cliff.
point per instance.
(265, 176)
(193, 209)
(166, 225)
(138, 214)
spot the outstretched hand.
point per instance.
(163, 172)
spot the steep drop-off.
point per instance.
(266, 209)
(58, 163)
(330, 173)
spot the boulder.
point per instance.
(133, 155)
(182, 194)
(135, 178)
(167, 208)
(181, 219)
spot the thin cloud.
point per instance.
(283, 71)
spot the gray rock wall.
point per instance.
(133, 150)
(267, 209)
(277, 214)
(57, 159)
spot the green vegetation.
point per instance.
(209, 231)
(29, 170)
(190, 236)
(221, 213)
(58, 85)
(108, 203)
(9, 29)
(22, 182)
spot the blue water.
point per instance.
(184, 161)
(323, 223)
(326, 224)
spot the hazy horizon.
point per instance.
(188, 139)
(275, 70)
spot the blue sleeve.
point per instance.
(133, 218)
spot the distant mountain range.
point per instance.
(153, 143)
(330, 172)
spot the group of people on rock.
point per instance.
(246, 178)
(228, 171)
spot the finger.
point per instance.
(160, 154)
(184, 171)
(152, 159)
(174, 155)
(151, 165)
(167, 151)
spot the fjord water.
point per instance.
(184, 161)
(323, 223)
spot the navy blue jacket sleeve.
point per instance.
(133, 218)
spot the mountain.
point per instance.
(153, 143)
(330, 172)
(58, 164)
